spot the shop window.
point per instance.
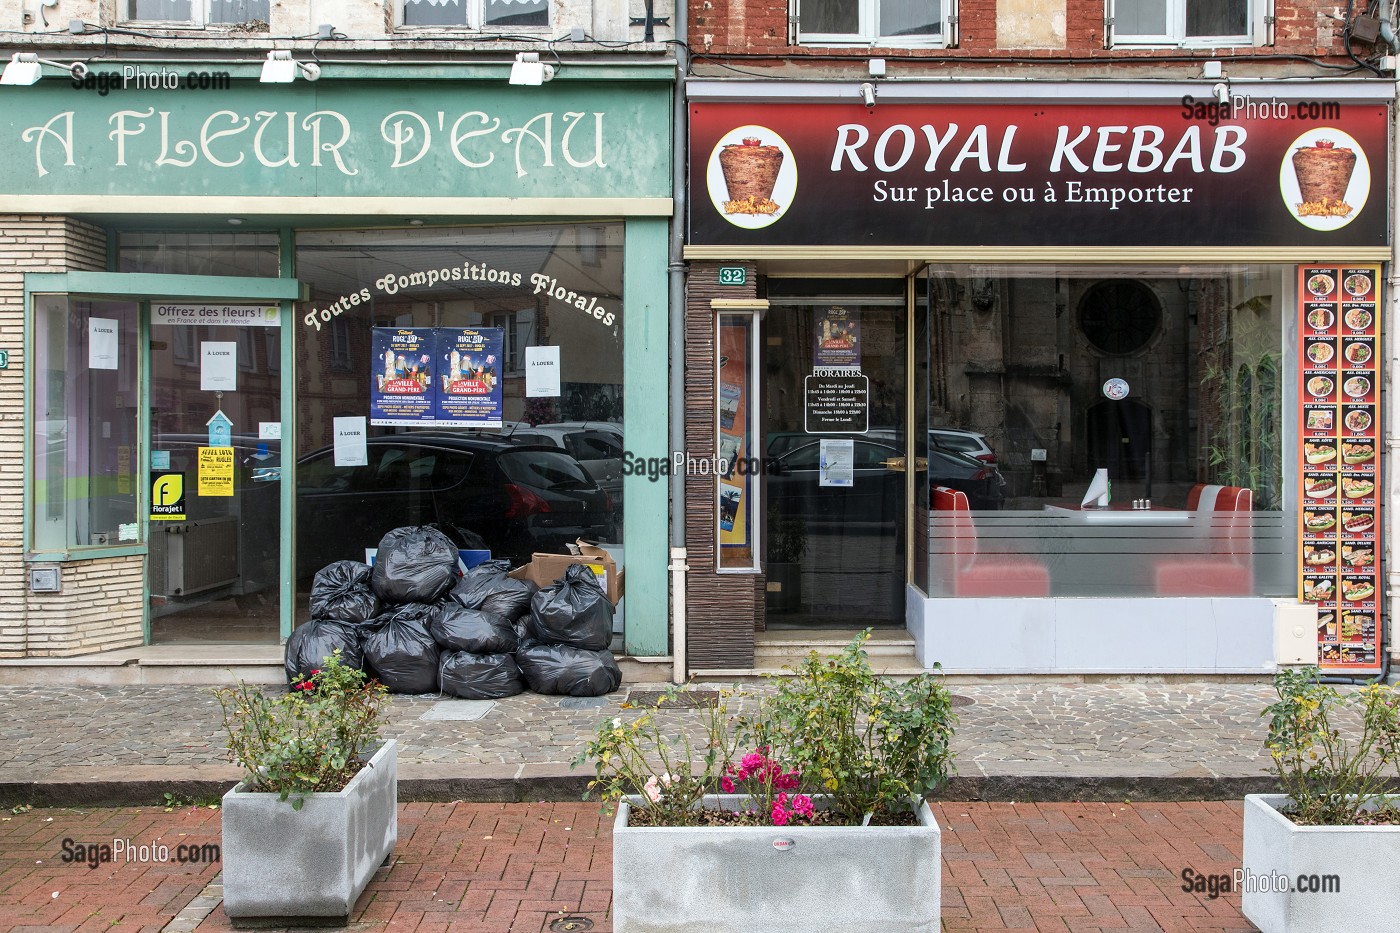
(84, 446)
(1176, 398)
(1187, 22)
(199, 12)
(472, 300)
(196, 253)
(474, 13)
(877, 22)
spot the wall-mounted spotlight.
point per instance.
(28, 68)
(281, 68)
(867, 94)
(529, 70)
(1221, 92)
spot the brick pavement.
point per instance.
(515, 868)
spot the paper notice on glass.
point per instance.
(837, 464)
(218, 366)
(102, 343)
(542, 372)
(270, 430)
(350, 449)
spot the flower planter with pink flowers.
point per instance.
(857, 879)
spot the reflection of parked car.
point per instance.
(518, 498)
(876, 493)
(597, 445)
(972, 443)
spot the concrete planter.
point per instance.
(857, 879)
(312, 862)
(1317, 879)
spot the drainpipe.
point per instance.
(1392, 420)
(676, 268)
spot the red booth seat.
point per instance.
(1226, 565)
(984, 574)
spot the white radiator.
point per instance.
(194, 556)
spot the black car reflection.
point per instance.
(519, 498)
(876, 493)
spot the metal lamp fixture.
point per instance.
(281, 68)
(529, 70)
(27, 68)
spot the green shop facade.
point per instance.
(199, 409)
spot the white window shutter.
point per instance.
(1108, 24)
(1263, 22)
(794, 21)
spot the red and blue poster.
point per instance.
(469, 359)
(402, 390)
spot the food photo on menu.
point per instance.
(1355, 486)
(1319, 485)
(1358, 521)
(1359, 555)
(1316, 520)
(1320, 419)
(1357, 318)
(1320, 386)
(1319, 554)
(1321, 318)
(1357, 284)
(1357, 419)
(1356, 452)
(1319, 589)
(1322, 451)
(1358, 589)
(1358, 352)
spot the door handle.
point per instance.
(896, 464)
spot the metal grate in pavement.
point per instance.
(685, 699)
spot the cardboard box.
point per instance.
(547, 569)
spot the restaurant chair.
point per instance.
(978, 573)
(1224, 565)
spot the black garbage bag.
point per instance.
(564, 671)
(314, 641)
(464, 538)
(487, 587)
(575, 612)
(401, 652)
(457, 628)
(414, 565)
(480, 676)
(341, 591)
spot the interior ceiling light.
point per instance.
(529, 70)
(281, 68)
(28, 68)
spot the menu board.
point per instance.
(1340, 462)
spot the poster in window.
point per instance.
(736, 493)
(469, 394)
(402, 391)
(838, 339)
(1339, 463)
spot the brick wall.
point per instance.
(100, 605)
(758, 27)
(721, 609)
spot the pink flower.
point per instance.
(726, 784)
(803, 804)
(652, 792)
(780, 815)
(752, 761)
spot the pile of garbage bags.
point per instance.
(419, 626)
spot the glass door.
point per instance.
(834, 399)
(215, 468)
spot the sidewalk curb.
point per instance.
(530, 783)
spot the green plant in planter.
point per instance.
(835, 729)
(311, 739)
(1332, 780)
(869, 742)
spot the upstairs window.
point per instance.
(475, 14)
(199, 12)
(874, 22)
(1208, 23)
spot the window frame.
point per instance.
(867, 37)
(1259, 14)
(475, 14)
(199, 17)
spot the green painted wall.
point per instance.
(645, 387)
